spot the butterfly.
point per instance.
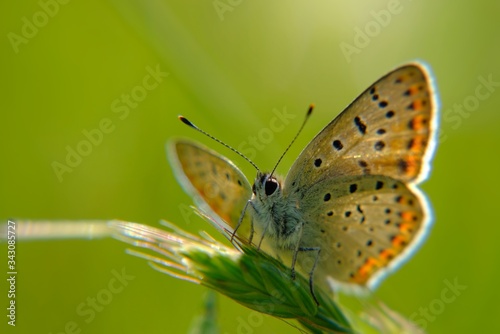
(349, 210)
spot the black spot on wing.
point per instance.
(383, 104)
(337, 144)
(379, 146)
(403, 165)
(361, 126)
(363, 164)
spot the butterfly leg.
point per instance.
(296, 250)
(240, 220)
(251, 231)
(264, 234)
(294, 260)
(311, 273)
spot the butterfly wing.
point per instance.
(388, 130)
(355, 182)
(217, 186)
(365, 225)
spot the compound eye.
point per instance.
(271, 186)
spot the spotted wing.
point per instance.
(364, 225)
(218, 187)
(388, 130)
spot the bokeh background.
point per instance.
(231, 64)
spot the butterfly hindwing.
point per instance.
(215, 183)
(362, 224)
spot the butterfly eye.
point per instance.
(253, 189)
(271, 186)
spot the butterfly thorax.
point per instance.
(274, 216)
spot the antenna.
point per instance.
(309, 112)
(187, 122)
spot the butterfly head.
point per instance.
(266, 185)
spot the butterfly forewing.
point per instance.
(212, 180)
(385, 131)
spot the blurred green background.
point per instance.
(231, 65)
